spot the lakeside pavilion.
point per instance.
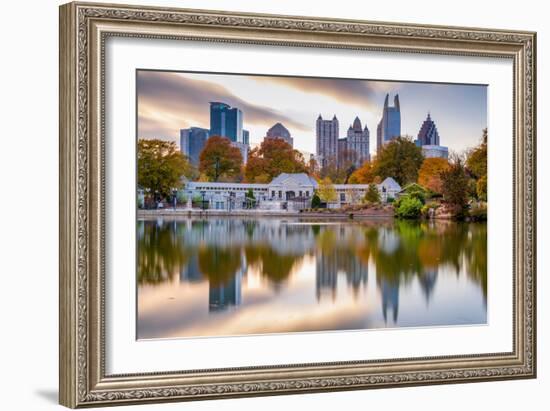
(291, 192)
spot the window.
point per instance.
(342, 197)
(307, 193)
(273, 193)
(300, 193)
(280, 194)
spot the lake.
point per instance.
(237, 276)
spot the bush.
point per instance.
(408, 207)
(181, 197)
(417, 191)
(390, 200)
(315, 201)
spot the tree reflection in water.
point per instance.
(222, 251)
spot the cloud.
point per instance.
(170, 101)
(361, 93)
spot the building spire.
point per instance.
(386, 100)
(396, 102)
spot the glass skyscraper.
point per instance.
(192, 141)
(389, 126)
(226, 121)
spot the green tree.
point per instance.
(455, 184)
(250, 198)
(315, 201)
(273, 157)
(400, 159)
(161, 166)
(372, 195)
(219, 158)
(326, 191)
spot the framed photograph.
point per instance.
(260, 205)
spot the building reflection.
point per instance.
(335, 261)
(427, 282)
(222, 251)
(228, 294)
(390, 299)
(191, 272)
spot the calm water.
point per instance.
(231, 276)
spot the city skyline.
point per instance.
(171, 101)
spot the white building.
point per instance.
(431, 151)
(285, 192)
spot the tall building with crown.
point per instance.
(428, 140)
(358, 142)
(389, 126)
(327, 132)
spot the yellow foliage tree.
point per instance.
(429, 174)
(326, 191)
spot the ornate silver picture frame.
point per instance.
(84, 30)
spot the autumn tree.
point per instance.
(429, 174)
(160, 167)
(400, 159)
(219, 158)
(455, 184)
(476, 162)
(364, 174)
(326, 190)
(346, 164)
(312, 167)
(273, 157)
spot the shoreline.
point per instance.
(143, 214)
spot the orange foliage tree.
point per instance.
(219, 159)
(273, 157)
(429, 174)
(364, 174)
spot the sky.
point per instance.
(170, 101)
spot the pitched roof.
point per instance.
(294, 178)
(390, 182)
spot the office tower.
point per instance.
(327, 140)
(246, 137)
(192, 141)
(428, 139)
(389, 126)
(226, 121)
(358, 141)
(281, 132)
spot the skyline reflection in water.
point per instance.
(235, 276)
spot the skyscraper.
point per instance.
(389, 126)
(246, 137)
(428, 134)
(358, 141)
(281, 132)
(192, 141)
(226, 121)
(428, 139)
(327, 140)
